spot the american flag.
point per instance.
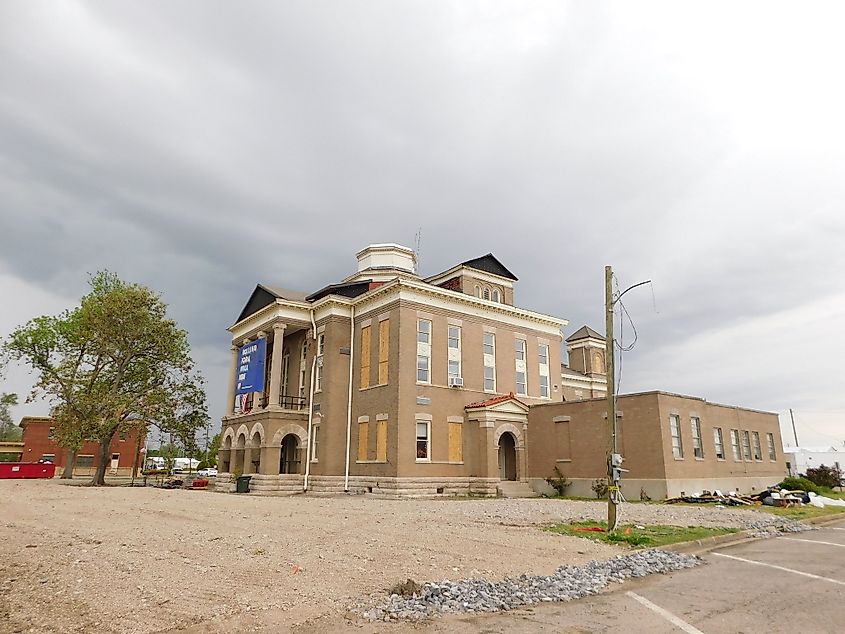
(245, 405)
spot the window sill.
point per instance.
(676, 458)
(313, 460)
(720, 459)
(371, 462)
(564, 460)
(423, 382)
(424, 460)
(700, 459)
(371, 387)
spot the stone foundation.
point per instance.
(363, 485)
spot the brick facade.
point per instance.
(38, 444)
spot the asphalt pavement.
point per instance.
(793, 583)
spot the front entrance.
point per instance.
(289, 455)
(507, 456)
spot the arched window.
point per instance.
(496, 295)
(477, 290)
(486, 293)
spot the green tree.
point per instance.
(213, 448)
(115, 362)
(8, 430)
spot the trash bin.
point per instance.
(243, 484)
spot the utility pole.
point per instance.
(612, 485)
(794, 433)
(614, 460)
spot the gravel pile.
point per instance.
(567, 583)
(771, 525)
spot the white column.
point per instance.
(233, 374)
(276, 367)
(257, 396)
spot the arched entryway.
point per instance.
(289, 454)
(255, 453)
(507, 456)
(238, 454)
(225, 454)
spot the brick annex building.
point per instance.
(394, 384)
(126, 449)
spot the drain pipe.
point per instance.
(349, 397)
(310, 405)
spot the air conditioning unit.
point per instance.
(456, 381)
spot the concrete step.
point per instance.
(508, 489)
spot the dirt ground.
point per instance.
(119, 559)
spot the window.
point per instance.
(489, 348)
(486, 293)
(365, 357)
(543, 354)
(456, 442)
(321, 347)
(115, 456)
(303, 357)
(770, 441)
(423, 351)
(521, 373)
(496, 296)
(544, 386)
(383, 350)
(381, 441)
(735, 444)
(719, 443)
(315, 443)
(746, 445)
(454, 351)
(758, 452)
(423, 441)
(51, 433)
(363, 440)
(85, 461)
(697, 447)
(423, 331)
(477, 290)
(675, 429)
(521, 383)
(423, 374)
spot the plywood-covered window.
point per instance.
(363, 440)
(383, 350)
(365, 357)
(456, 442)
(381, 441)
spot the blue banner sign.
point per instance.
(250, 374)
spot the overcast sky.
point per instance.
(201, 147)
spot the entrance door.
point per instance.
(115, 460)
(507, 456)
(289, 455)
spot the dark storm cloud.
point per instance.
(203, 147)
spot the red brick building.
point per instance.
(39, 444)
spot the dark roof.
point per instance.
(490, 264)
(264, 296)
(584, 332)
(348, 289)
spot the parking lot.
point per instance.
(793, 583)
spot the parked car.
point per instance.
(210, 472)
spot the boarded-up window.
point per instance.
(383, 350)
(365, 356)
(456, 442)
(564, 442)
(85, 461)
(381, 441)
(363, 439)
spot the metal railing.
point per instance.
(296, 403)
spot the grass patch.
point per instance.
(639, 536)
(806, 511)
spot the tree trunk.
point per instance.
(70, 463)
(105, 456)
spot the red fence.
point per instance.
(26, 470)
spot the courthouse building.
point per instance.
(398, 385)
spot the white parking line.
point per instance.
(674, 620)
(797, 572)
(813, 541)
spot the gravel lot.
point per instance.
(118, 559)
